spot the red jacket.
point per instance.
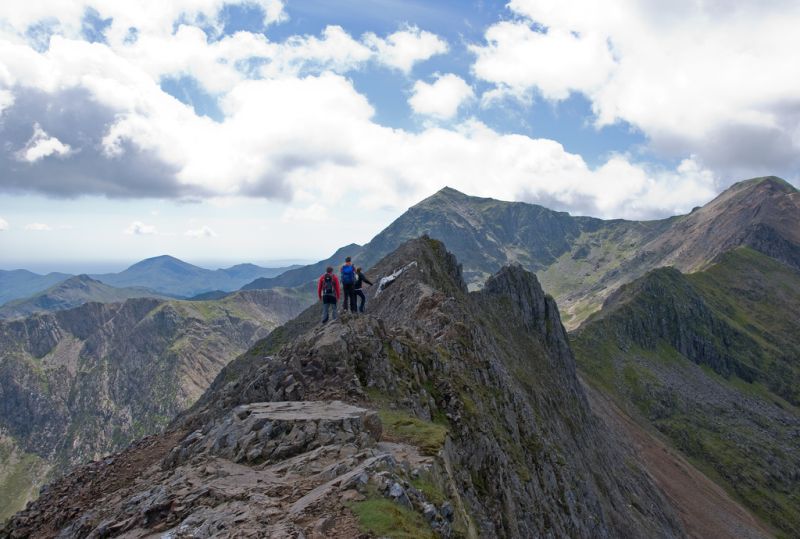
(335, 285)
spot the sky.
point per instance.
(226, 131)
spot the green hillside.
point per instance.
(711, 361)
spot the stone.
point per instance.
(398, 494)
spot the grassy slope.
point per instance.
(761, 298)
(742, 433)
(21, 474)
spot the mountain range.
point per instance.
(431, 400)
(581, 260)
(168, 275)
(15, 284)
(679, 405)
(72, 292)
(23, 292)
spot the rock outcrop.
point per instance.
(484, 431)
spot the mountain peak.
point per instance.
(165, 262)
(773, 183)
(78, 280)
(445, 193)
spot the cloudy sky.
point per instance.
(224, 131)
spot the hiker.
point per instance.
(348, 278)
(328, 292)
(360, 279)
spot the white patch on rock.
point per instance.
(389, 279)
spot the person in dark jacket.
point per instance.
(357, 292)
(347, 276)
(328, 292)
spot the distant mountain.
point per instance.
(80, 383)
(171, 276)
(72, 292)
(305, 275)
(21, 283)
(710, 359)
(581, 260)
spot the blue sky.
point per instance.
(266, 130)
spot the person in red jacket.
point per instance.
(328, 292)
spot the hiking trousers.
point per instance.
(326, 306)
(362, 299)
(349, 297)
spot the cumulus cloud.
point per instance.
(3, 225)
(149, 17)
(293, 125)
(75, 117)
(138, 228)
(38, 227)
(442, 98)
(402, 49)
(556, 62)
(42, 145)
(712, 79)
(202, 232)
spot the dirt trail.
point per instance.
(705, 509)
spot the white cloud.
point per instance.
(557, 62)
(3, 225)
(335, 51)
(202, 232)
(402, 49)
(716, 79)
(147, 16)
(442, 98)
(314, 213)
(298, 130)
(138, 228)
(42, 145)
(38, 227)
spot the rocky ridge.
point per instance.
(485, 430)
(581, 260)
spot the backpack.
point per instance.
(327, 285)
(348, 275)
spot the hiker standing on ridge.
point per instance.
(348, 278)
(328, 292)
(358, 293)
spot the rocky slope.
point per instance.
(710, 360)
(80, 383)
(72, 292)
(463, 417)
(581, 260)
